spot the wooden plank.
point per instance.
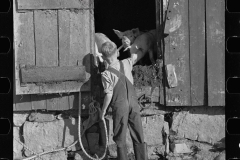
(46, 35)
(52, 101)
(79, 38)
(24, 46)
(177, 54)
(197, 50)
(73, 100)
(23, 102)
(64, 37)
(38, 102)
(54, 4)
(63, 102)
(52, 74)
(215, 21)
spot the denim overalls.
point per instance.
(126, 113)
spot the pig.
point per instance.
(139, 43)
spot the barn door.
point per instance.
(53, 41)
(193, 52)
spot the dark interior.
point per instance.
(123, 15)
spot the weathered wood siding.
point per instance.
(52, 34)
(177, 52)
(215, 28)
(195, 46)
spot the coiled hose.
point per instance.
(92, 110)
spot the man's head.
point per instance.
(109, 51)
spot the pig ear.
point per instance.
(118, 33)
(135, 31)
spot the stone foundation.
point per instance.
(44, 132)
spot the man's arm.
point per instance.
(106, 102)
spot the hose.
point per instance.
(91, 108)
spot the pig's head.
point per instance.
(129, 34)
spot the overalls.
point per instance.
(126, 113)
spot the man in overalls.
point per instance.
(120, 94)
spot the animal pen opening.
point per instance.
(125, 15)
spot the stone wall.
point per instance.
(45, 131)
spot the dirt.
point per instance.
(148, 75)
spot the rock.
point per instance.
(80, 155)
(179, 148)
(46, 136)
(19, 119)
(152, 130)
(61, 155)
(17, 147)
(221, 156)
(112, 150)
(41, 117)
(205, 124)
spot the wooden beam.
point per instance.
(52, 74)
(215, 20)
(53, 4)
(197, 51)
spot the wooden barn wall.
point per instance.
(46, 37)
(196, 50)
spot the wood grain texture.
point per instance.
(46, 35)
(64, 37)
(63, 102)
(52, 101)
(197, 51)
(24, 47)
(177, 54)
(215, 23)
(54, 4)
(53, 74)
(38, 102)
(22, 102)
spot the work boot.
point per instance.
(140, 151)
(122, 153)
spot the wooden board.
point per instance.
(64, 37)
(159, 44)
(24, 47)
(197, 51)
(52, 74)
(52, 101)
(73, 100)
(38, 102)
(74, 44)
(53, 4)
(63, 102)
(46, 37)
(177, 54)
(215, 21)
(22, 102)
(79, 36)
